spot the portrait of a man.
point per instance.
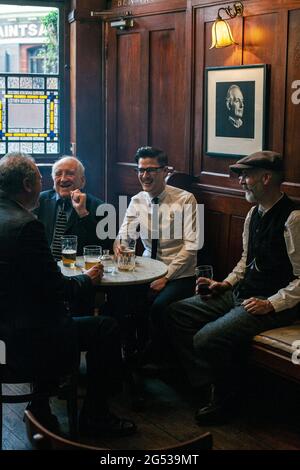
(235, 106)
(235, 109)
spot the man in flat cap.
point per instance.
(212, 333)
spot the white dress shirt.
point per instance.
(288, 296)
(177, 244)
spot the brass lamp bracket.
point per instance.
(232, 12)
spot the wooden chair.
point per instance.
(181, 180)
(68, 391)
(185, 181)
(42, 439)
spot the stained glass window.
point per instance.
(30, 79)
(29, 114)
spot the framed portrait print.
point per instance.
(235, 110)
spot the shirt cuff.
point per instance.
(231, 279)
(84, 216)
(278, 303)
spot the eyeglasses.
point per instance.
(154, 169)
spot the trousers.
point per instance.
(212, 337)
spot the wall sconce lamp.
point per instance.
(221, 35)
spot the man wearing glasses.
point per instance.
(155, 214)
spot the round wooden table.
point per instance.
(146, 270)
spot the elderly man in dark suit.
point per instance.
(41, 339)
(79, 208)
(66, 210)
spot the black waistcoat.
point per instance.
(268, 265)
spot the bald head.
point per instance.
(71, 160)
(68, 175)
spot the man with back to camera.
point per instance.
(179, 254)
(42, 340)
(68, 176)
(212, 333)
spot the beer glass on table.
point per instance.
(126, 256)
(91, 255)
(205, 271)
(69, 250)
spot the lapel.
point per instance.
(72, 220)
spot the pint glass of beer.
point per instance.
(126, 256)
(69, 250)
(92, 255)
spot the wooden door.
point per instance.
(145, 94)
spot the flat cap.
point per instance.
(265, 159)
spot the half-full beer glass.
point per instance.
(69, 250)
(126, 257)
(91, 255)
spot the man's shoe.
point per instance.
(107, 425)
(216, 409)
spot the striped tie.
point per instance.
(59, 231)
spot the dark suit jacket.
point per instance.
(84, 228)
(38, 332)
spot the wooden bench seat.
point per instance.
(273, 350)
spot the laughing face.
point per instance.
(67, 177)
(153, 182)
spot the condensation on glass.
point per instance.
(29, 80)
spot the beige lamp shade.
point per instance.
(221, 35)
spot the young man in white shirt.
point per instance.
(165, 219)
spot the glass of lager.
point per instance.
(69, 250)
(92, 255)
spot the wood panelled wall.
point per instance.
(153, 84)
(146, 94)
(268, 33)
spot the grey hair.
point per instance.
(14, 168)
(64, 158)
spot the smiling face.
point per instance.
(67, 177)
(152, 183)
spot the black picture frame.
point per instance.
(235, 110)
